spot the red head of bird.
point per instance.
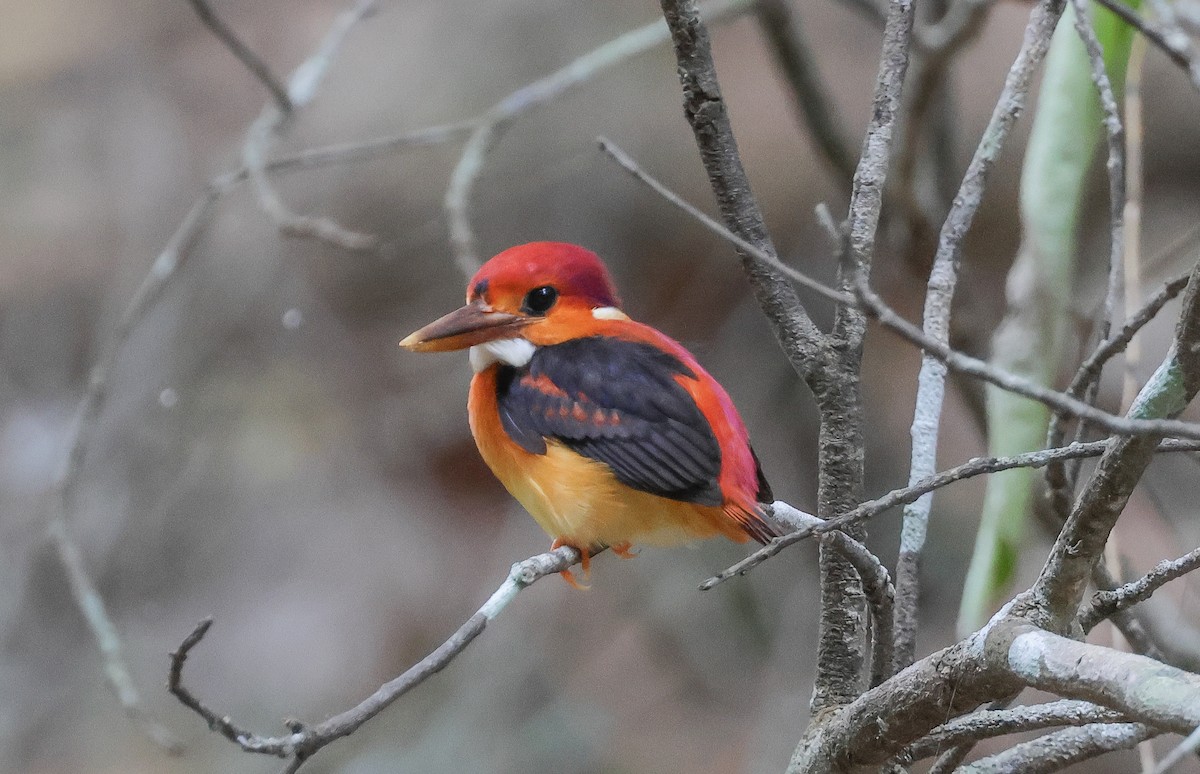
(606, 430)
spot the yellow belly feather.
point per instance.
(578, 500)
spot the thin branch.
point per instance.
(977, 467)
(939, 296)
(1187, 747)
(303, 742)
(83, 588)
(949, 760)
(782, 26)
(1061, 479)
(492, 125)
(250, 60)
(629, 165)
(1137, 633)
(363, 150)
(1172, 42)
(987, 724)
(1057, 751)
(165, 268)
(937, 45)
(1090, 370)
(267, 128)
(1011, 382)
(1135, 141)
(1105, 603)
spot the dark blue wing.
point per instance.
(616, 402)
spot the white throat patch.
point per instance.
(513, 352)
(609, 313)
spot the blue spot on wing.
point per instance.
(616, 402)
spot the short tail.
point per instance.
(753, 522)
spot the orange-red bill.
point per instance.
(465, 327)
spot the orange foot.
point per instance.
(585, 564)
(623, 550)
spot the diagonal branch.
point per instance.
(165, 268)
(1056, 595)
(271, 123)
(1171, 41)
(1057, 751)
(496, 120)
(878, 310)
(250, 60)
(303, 742)
(987, 724)
(705, 110)
(1107, 603)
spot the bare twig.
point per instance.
(705, 111)
(272, 121)
(1105, 603)
(629, 165)
(937, 46)
(991, 723)
(250, 60)
(303, 743)
(1188, 746)
(1060, 478)
(977, 467)
(1135, 185)
(164, 269)
(83, 589)
(1011, 382)
(1090, 370)
(1171, 41)
(1061, 749)
(496, 120)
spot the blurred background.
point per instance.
(268, 456)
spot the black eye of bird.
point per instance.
(539, 300)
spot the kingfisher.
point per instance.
(607, 431)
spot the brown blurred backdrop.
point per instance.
(270, 457)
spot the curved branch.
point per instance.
(496, 120)
(271, 122)
(303, 742)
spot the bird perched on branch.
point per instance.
(606, 430)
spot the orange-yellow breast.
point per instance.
(578, 500)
